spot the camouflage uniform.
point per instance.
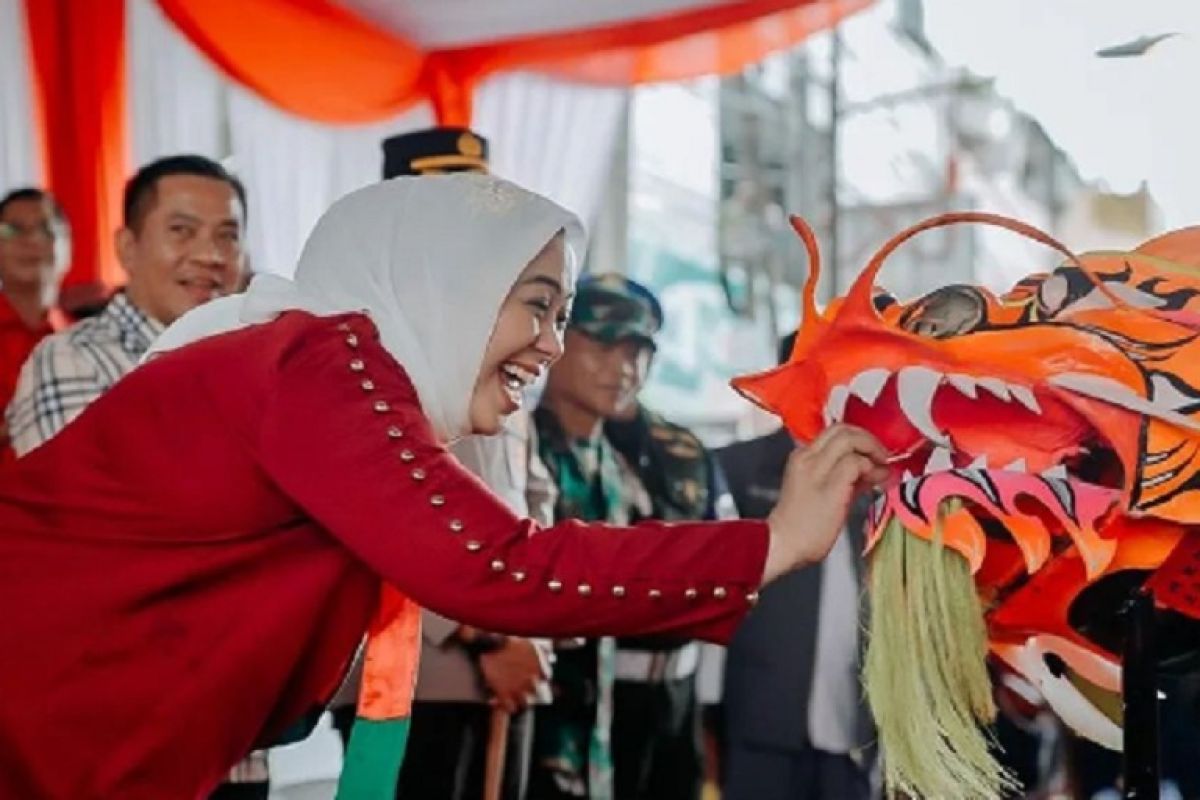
(655, 733)
(656, 719)
(571, 751)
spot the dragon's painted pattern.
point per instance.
(1065, 414)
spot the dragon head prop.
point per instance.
(1047, 443)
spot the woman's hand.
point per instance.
(819, 483)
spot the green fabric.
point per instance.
(571, 736)
(373, 759)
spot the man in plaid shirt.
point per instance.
(181, 246)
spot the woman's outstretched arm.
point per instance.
(344, 437)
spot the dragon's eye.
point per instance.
(1054, 294)
(950, 311)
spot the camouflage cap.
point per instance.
(611, 307)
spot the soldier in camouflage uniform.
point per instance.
(605, 356)
(656, 727)
(614, 459)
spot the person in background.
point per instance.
(34, 251)
(623, 723)
(594, 380)
(656, 727)
(181, 246)
(796, 723)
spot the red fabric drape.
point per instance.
(318, 60)
(78, 55)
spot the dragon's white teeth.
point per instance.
(877, 509)
(940, 460)
(1025, 397)
(980, 462)
(964, 384)
(868, 385)
(835, 404)
(907, 477)
(996, 386)
(1058, 471)
(1016, 466)
(916, 387)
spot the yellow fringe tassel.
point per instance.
(925, 672)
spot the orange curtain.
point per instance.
(327, 64)
(78, 55)
(722, 51)
(310, 57)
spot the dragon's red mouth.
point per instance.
(1011, 453)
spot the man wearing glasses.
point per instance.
(33, 251)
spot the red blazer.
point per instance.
(187, 568)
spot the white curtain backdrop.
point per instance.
(454, 23)
(294, 169)
(20, 164)
(176, 100)
(555, 137)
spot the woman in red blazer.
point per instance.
(187, 569)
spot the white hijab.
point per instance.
(430, 259)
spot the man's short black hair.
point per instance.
(34, 194)
(785, 347)
(141, 189)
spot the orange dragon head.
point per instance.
(1062, 423)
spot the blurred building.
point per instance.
(1098, 220)
(715, 167)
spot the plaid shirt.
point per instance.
(70, 369)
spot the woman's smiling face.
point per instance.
(527, 338)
